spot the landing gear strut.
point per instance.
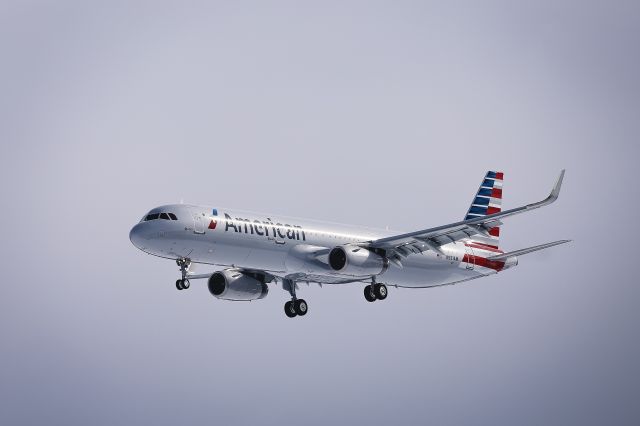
(183, 283)
(295, 306)
(375, 291)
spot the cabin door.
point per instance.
(198, 222)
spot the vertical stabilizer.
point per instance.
(488, 200)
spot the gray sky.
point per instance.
(377, 113)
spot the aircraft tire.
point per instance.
(369, 294)
(289, 309)
(301, 307)
(179, 285)
(380, 291)
(186, 284)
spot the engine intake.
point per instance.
(357, 261)
(232, 284)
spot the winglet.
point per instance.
(556, 189)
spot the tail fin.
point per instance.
(487, 201)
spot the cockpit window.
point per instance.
(154, 216)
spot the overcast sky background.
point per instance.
(372, 113)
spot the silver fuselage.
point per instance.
(227, 238)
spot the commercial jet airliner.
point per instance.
(251, 251)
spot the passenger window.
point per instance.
(164, 216)
(173, 216)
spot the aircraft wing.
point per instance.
(400, 246)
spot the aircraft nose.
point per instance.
(135, 236)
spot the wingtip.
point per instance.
(556, 189)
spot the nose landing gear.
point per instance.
(184, 264)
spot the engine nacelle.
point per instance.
(356, 261)
(232, 284)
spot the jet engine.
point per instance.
(356, 261)
(232, 284)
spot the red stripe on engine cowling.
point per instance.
(496, 265)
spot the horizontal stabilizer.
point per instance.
(504, 256)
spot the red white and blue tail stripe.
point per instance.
(487, 201)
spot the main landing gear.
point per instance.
(295, 306)
(183, 283)
(375, 291)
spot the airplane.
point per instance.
(251, 251)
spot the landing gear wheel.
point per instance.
(301, 307)
(380, 291)
(184, 264)
(369, 294)
(289, 309)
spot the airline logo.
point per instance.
(489, 197)
(214, 222)
(488, 200)
(265, 228)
